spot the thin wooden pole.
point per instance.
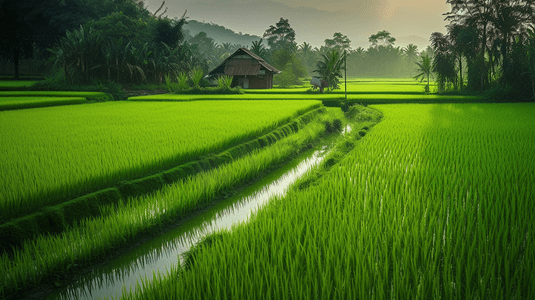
(345, 71)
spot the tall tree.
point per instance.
(23, 26)
(339, 41)
(382, 38)
(281, 35)
(259, 49)
(444, 60)
(510, 19)
(411, 52)
(330, 68)
(424, 68)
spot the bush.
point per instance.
(224, 81)
(334, 126)
(285, 79)
(363, 114)
(337, 124)
(182, 80)
(210, 90)
(196, 76)
(109, 87)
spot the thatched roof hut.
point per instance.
(250, 71)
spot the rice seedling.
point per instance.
(435, 203)
(92, 147)
(92, 238)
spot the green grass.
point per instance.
(93, 96)
(394, 98)
(434, 203)
(56, 154)
(91, 238)
(10, 103)
(11, 84)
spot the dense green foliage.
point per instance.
(95, 146)
(120, 49)
(331, 66)
(31, 26)
(491, 36)
(434, 203)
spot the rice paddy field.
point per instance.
(86, 148)
(434, 203)
(117, 224)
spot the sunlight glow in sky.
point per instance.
(410, 21)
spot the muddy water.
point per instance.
(166, 250)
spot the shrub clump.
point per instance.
(334, 126)
(210, 90)
(363, 114)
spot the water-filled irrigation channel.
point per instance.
(158, 254)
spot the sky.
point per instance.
(409, 21)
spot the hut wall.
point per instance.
(255, 82)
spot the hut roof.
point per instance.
(233, 66)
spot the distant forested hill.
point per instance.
(219, 33)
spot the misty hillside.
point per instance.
(220, 34)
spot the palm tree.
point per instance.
(530, 58)
(259, 49)
(305, 49)
(330, 68)
(424, 69)
(411, 52)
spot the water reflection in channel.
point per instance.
(164, 251)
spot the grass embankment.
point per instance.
(11, 85)
(121, 223)
(90, 96)
(11, 103)
(436, 202)
(359, 91)
(84, 149)
(328, 99)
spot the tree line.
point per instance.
(489, 44)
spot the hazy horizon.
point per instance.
(314, 21)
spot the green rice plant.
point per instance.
(196, 76)
(224, 81)
(92, 147)
(435, 203)
(92, 238)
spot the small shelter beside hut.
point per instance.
(249, 70)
